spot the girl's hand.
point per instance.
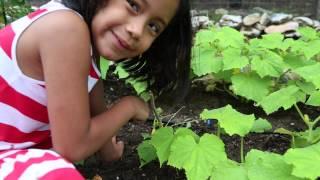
(141, 109)
(112, 150)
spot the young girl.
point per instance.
(52, 110)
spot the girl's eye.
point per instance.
(155, 27)
(134, 5)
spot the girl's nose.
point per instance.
(135, 27)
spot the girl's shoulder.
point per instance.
(62, 21)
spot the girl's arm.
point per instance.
(64, 46)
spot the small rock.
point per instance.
(289, 26)
(250, 32)
(279, 18)
(304, 21)
(251, 19)
(265, 19)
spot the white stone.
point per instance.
(289, 26)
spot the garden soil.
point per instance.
(198, 99)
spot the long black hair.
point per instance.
(166, 64)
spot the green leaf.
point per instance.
(104, 67)
(121, 72)
(306, 87)
(205, 62)
(161, 140)
(197, 159)
(146, 152)
(139, 86)
(310, 74)
(295, 61)
(186, 131)
(284, 97)
(264, 68)
(266, 166)
(205, 38)
(229, 170)
(305, 161)
(312, 49)
(314, 99)
(308, 33)
(232, 58)
(261, 125)
(230, 120)
(272, 41)
(229, 37)
(250, 86)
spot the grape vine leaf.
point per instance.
(205, 62)
(261, 125)
(305, 161)
(310, 73)
(197, 159)
(314, 99)
(266, 166)
(307, 33)
(161, 140)
(146, 152)
(272, 41)
(232, 121)
(284, 97)
(229, 37)
(250, 86)
(264, 68)
(232, 58)
(229, 170)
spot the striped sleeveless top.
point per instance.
(24, 119)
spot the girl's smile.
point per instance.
(126, 28)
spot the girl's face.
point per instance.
(127, 28)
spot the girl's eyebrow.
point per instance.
(162, 21)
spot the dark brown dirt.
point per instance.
(128, 167)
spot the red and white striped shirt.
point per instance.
(23, 100)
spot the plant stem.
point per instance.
(184, 122)
(316, 120)
(218, 130)
(174, 115)
(310, 133)
(301, 115)
(241, 149)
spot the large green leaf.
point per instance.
(229, 37)
(228, 170)
(264, 68)
(204, 38)
(285, 97)
(310, 73)
(230, 120)
(205, 62)
(250, 86)
(232, 58)
(272, 41)
(266, 166)
(314, 99)
(261, 125)
(161, 140)
(308, 33)
(146, 152)
(197, 159)
(305, 161)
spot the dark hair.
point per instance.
(166, 64)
